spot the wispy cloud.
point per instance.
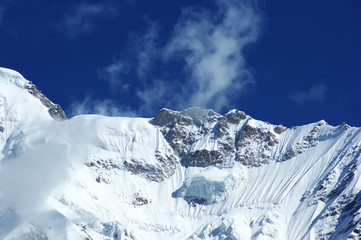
(314, 94)
(200, 64)
(106, 107)
(211, 45)
(147, 49)
(82, 18)
(113, 74)
(158, 94)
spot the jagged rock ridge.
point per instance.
(54, 110)
(202, 137)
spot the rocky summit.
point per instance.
(191, 174)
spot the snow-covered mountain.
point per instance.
(193, 174)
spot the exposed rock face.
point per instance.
(139, 200)
(170, 118)
(308, 141)
(54, 110)
(157, 173)
(202, 137)
(279, 129)
(183, 129)
(202, 158)
(235, 117)
(57, 112)
(255, 145)
(227, 137)
(345, 125)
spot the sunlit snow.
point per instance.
(100, 177)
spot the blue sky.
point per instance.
(289, 62)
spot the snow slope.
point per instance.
(193, 174)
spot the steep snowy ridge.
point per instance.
(191, 174)
(16, 90)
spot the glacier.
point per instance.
(191, 174)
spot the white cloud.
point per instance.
(146, 49)
(82, 18)
(200, 64)
(211, 45)
(314, 94)
(141, 52)
(105, 107)
(159, 94)
(113, 74)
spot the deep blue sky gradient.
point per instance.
(302, 45)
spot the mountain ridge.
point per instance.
(191, 174)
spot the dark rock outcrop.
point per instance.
(196, 126)
(202, 158)
(55, 111)
(162, 170)
(235, 117)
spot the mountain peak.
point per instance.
(10, 76)
(13, 82)
(190, 174)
